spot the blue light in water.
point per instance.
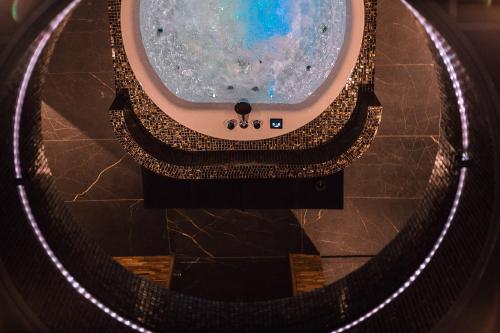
(270, 89)
(265, 19)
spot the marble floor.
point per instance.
(218, 252)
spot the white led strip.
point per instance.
(448, 58)
(41, 43)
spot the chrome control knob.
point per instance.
(244, 124)
(231, 124)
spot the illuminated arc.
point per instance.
(448, 58)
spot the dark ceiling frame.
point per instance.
(77, 290)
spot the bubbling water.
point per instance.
(262, 51)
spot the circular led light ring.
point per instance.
(41, 42)
(450, 61)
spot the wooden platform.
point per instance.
(307, 273)
(158, 269)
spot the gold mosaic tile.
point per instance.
(318, 132)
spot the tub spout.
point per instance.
(243, 108)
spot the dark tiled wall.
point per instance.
(102, 185)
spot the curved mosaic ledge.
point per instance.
(177, 165)
(339, 307)
(314, 134)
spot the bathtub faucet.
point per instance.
(243, 109)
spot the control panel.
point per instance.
(243, 109)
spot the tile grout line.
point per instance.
(341, 256)
(346, 197)
(104, 200)
(79, 140)
(381, 136)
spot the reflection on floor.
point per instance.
(241, 255)
(307, 273)
(158, 268)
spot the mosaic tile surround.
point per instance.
(319, 132)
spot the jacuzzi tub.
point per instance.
(169, 45)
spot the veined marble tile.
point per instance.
(76, 106)
(400, 38)
(123, 228)
(393, 167)
(93, 170)
(236, 233)
(363, 228)
(411, 99)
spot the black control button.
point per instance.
(276, 123)
(231, 124)
(257, 124)
(320, 185)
